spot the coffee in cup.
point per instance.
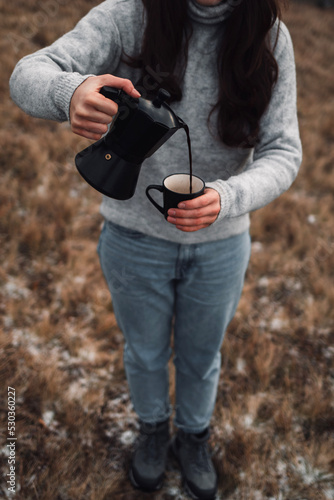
(175, 189)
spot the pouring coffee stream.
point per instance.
(186, 128)
(112, 164)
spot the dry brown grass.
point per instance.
(61, 348)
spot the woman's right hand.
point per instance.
(90, 111)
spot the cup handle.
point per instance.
(158, 188)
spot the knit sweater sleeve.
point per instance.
(277, 156)
(42, 84)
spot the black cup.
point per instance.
(175, 189)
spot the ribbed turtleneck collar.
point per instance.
(210, 14)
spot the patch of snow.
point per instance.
(309, 474)
(241, 365)
(176, 493)
(296, 286)
(228, 428)
(280, 496)
(109, 433)
(31, 479)
(263, 282)
(127, 438)
(278, 324)
(87, 355)
(33, 350)
(87, 441)
(22, 212)
(79, 280)
(15, 290)
(8, 321)
(24, 335)
(5, 451)
(48, 417)
(41, 190)
(77, 389)
(74, 193)
(310, 300)
(257, 246)
(329, 493)
(328, 352)
(281, 467)
(9, 494)
(248, 421)
(65, 358)
(173, 491)
(263, 324)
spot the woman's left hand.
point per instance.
(192, 215)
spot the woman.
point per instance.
(230, 70)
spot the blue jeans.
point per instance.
(158, 287)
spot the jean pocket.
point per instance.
(99, 243)
(124, 231)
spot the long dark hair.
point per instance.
(246, 64)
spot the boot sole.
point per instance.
(144, 487)
(173, 455)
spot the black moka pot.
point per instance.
(112, 164)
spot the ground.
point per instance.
(61, 349)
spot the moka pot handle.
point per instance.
(112, 93)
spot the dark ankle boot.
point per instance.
(198, 473)
(150, 456)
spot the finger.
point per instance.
(192, 222)
(93, 115)
(97, 102)
(189, 229)
(208, 210)
(119, 83)
(87, 134)
(93, 127)
(97, 129)
(207, 198)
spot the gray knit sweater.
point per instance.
(43, 83)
